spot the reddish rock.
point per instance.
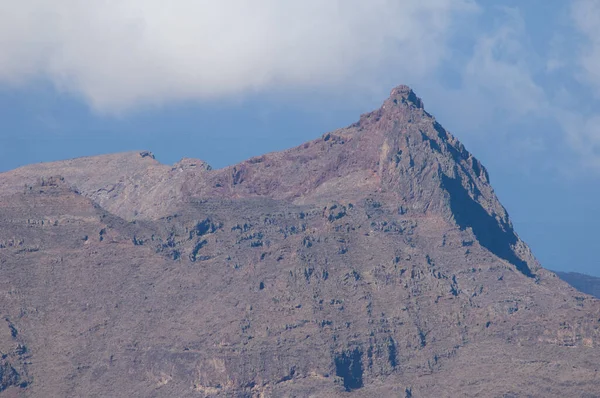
(375, 259)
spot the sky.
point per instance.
(518, 82)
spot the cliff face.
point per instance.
(375, 259)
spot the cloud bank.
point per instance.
(119, 54)
(586, 16)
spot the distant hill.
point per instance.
(585, 283)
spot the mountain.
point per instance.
(374, 260)
(585, 283)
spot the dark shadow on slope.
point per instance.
(495, 237)
(9, 377)
(348, 366)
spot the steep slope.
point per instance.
(373, 260)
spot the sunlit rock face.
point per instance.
(374, 260)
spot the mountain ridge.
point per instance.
(373, 161)
(375, 259)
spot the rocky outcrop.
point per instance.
(14, 358)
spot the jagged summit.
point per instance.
(398, 150)
(404, 94)
(191, 164)
(374, 259)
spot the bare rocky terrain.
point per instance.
(375, 260)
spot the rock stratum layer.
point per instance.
(375, 260)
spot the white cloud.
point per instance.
(502, 90)
(497, 83)
(582, 135)
(582, 126)
(119, 54)
(586, 16)
(558, 54)
(501, 68)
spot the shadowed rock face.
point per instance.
(494, 235)
(375, 259)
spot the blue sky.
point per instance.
(518, 82)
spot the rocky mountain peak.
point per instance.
(405, 95)
(374, 259)
(191, 164)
